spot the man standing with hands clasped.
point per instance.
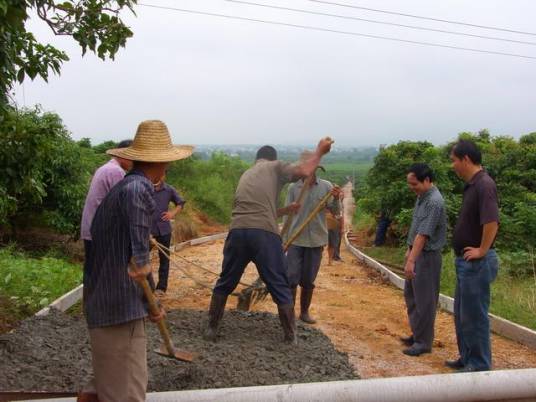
(426, 238)
(476, 260)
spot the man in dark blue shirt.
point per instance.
(161, 226)
(113, 302)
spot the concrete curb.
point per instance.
(497, 386)
(198, 240)
(73, 296)
(64, 302)
(500, 326)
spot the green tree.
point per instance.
(103, 147)
(85, 142)
(511, 163)
(211, 184)
(94, 24)
(45, 173)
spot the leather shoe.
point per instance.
(407, 340)
(415, 351)
(454, 364)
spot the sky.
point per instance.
(216, 80)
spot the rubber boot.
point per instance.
(306, 295)
(215, 314)
(288, 322)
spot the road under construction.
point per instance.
(360, 318)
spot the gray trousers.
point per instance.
(119, 358)
(421, 294)
(303, 265)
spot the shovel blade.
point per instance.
(178, 354)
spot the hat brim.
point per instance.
(174, 153)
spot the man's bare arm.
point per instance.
(308, 167)
(489, 231)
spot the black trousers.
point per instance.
(265, 250)
(163, 269)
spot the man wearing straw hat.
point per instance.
(113, 303)
(254, 235)
(305, 253)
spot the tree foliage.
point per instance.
(511, 163)
(45, 173)
(94, 24)
(210, 184)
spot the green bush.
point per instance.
(210, 184)
(511, 163)
(46, 173)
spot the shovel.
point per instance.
(246, 296)
(301, 196)
(167, 349)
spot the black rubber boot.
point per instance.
(306, 295)
(215, 314)
(288, 322)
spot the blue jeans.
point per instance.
(471, 305)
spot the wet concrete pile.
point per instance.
(52, 354)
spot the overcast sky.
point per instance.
(216, 80)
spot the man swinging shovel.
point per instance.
(114, 305)
(254, 235)
(303, 260)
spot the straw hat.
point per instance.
(152, 143)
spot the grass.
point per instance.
(338, 172)
(32, 283)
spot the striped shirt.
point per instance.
(120, 231)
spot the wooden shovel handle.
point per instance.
(301, 196)
(309, 218)
(155, 310)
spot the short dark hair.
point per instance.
(124, 144)
(467, 148)
(422, 171)
(266, 152)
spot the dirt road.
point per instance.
(361, 314)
